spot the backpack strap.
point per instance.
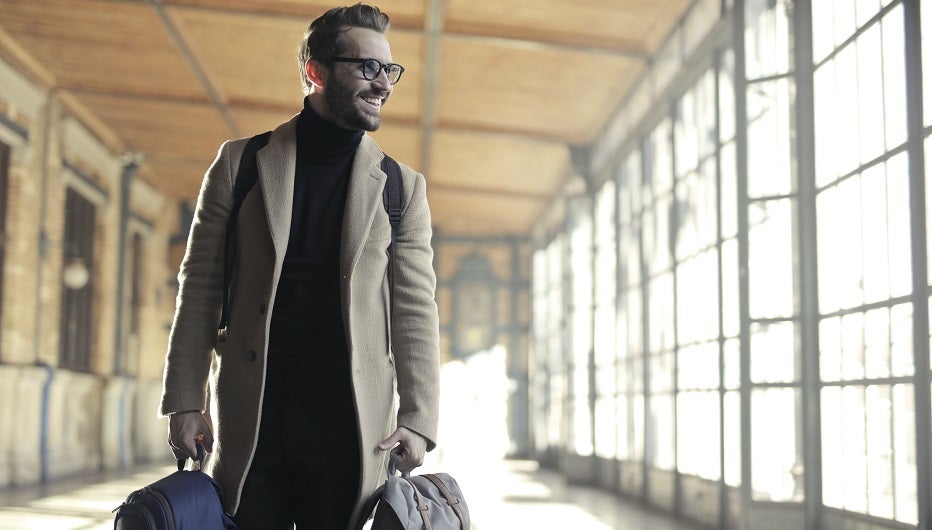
(451, 499)
(393, 200)
(422, 507)
(246, 176)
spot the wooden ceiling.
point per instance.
(494, 95)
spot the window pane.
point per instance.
(830, 349)
(661, 435)
(904, 454)
(698, 434)
(661, 313)
(776, 466)
(697, 366)
(766, 37)
(769, 154)
(898, 225)
(770, 260)
(901, 343)
(732, 429)
(773, 358)
(840, 252)
(730, 309)
(894, 77)
(833, 441)
(879, 452)
(870, 92)
(697, 298)
(605, 419)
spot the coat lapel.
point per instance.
(363, 199)
(276, 164)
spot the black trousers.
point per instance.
(305, 473)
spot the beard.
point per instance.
(351, 112)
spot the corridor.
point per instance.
(502, 495)
(682, 249)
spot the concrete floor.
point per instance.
(501, 495)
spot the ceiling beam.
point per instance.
(191, 57)
(500, 39)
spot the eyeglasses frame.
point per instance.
(363, 61)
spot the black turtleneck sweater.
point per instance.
(307, 317)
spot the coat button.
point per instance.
(252, 356)
(262, 309)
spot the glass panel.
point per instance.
(766, 37)
(879, 452)
(894, 77)
(901, 340)
(865, 10)
(904, 454)
(732, 352)
(853, 449)
(697, 298)
(833, 440)
(876, 280)
(623, 449)
(773, 357)
(661, 313)
(697, 367)
(898, 226)
(852, 346)
(833, 124)
(877, 343)
(732, 429)
(726, 97)
(730, 309)
(870, 92)
(840, 251)
(776, 466)
(769, 154)
(729, 191)
(770, 260)
(661, 437)
(830, 349)
(823, 19)
(698, 434)
(605, 418)
(660, 161)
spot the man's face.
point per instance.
(354, 102)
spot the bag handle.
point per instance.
(198, 461)
(451, 499)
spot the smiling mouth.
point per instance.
(373, 101)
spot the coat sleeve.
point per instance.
(415, 325)
(200, 282)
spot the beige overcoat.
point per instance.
(224, 373)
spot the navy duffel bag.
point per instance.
(184, 500)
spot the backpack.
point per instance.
(245, 179)
(421, 502)
(184, 500)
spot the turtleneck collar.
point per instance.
(320, 140)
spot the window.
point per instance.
(4, 201)
(76, 306)
(605, 318)
(862, 208)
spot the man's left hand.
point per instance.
(411, 447)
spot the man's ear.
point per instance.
(316, 72)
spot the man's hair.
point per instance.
(323, 39)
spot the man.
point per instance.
(302, 408)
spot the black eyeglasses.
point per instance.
(372, 67)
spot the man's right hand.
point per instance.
(186, 430)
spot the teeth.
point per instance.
(373, 101)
